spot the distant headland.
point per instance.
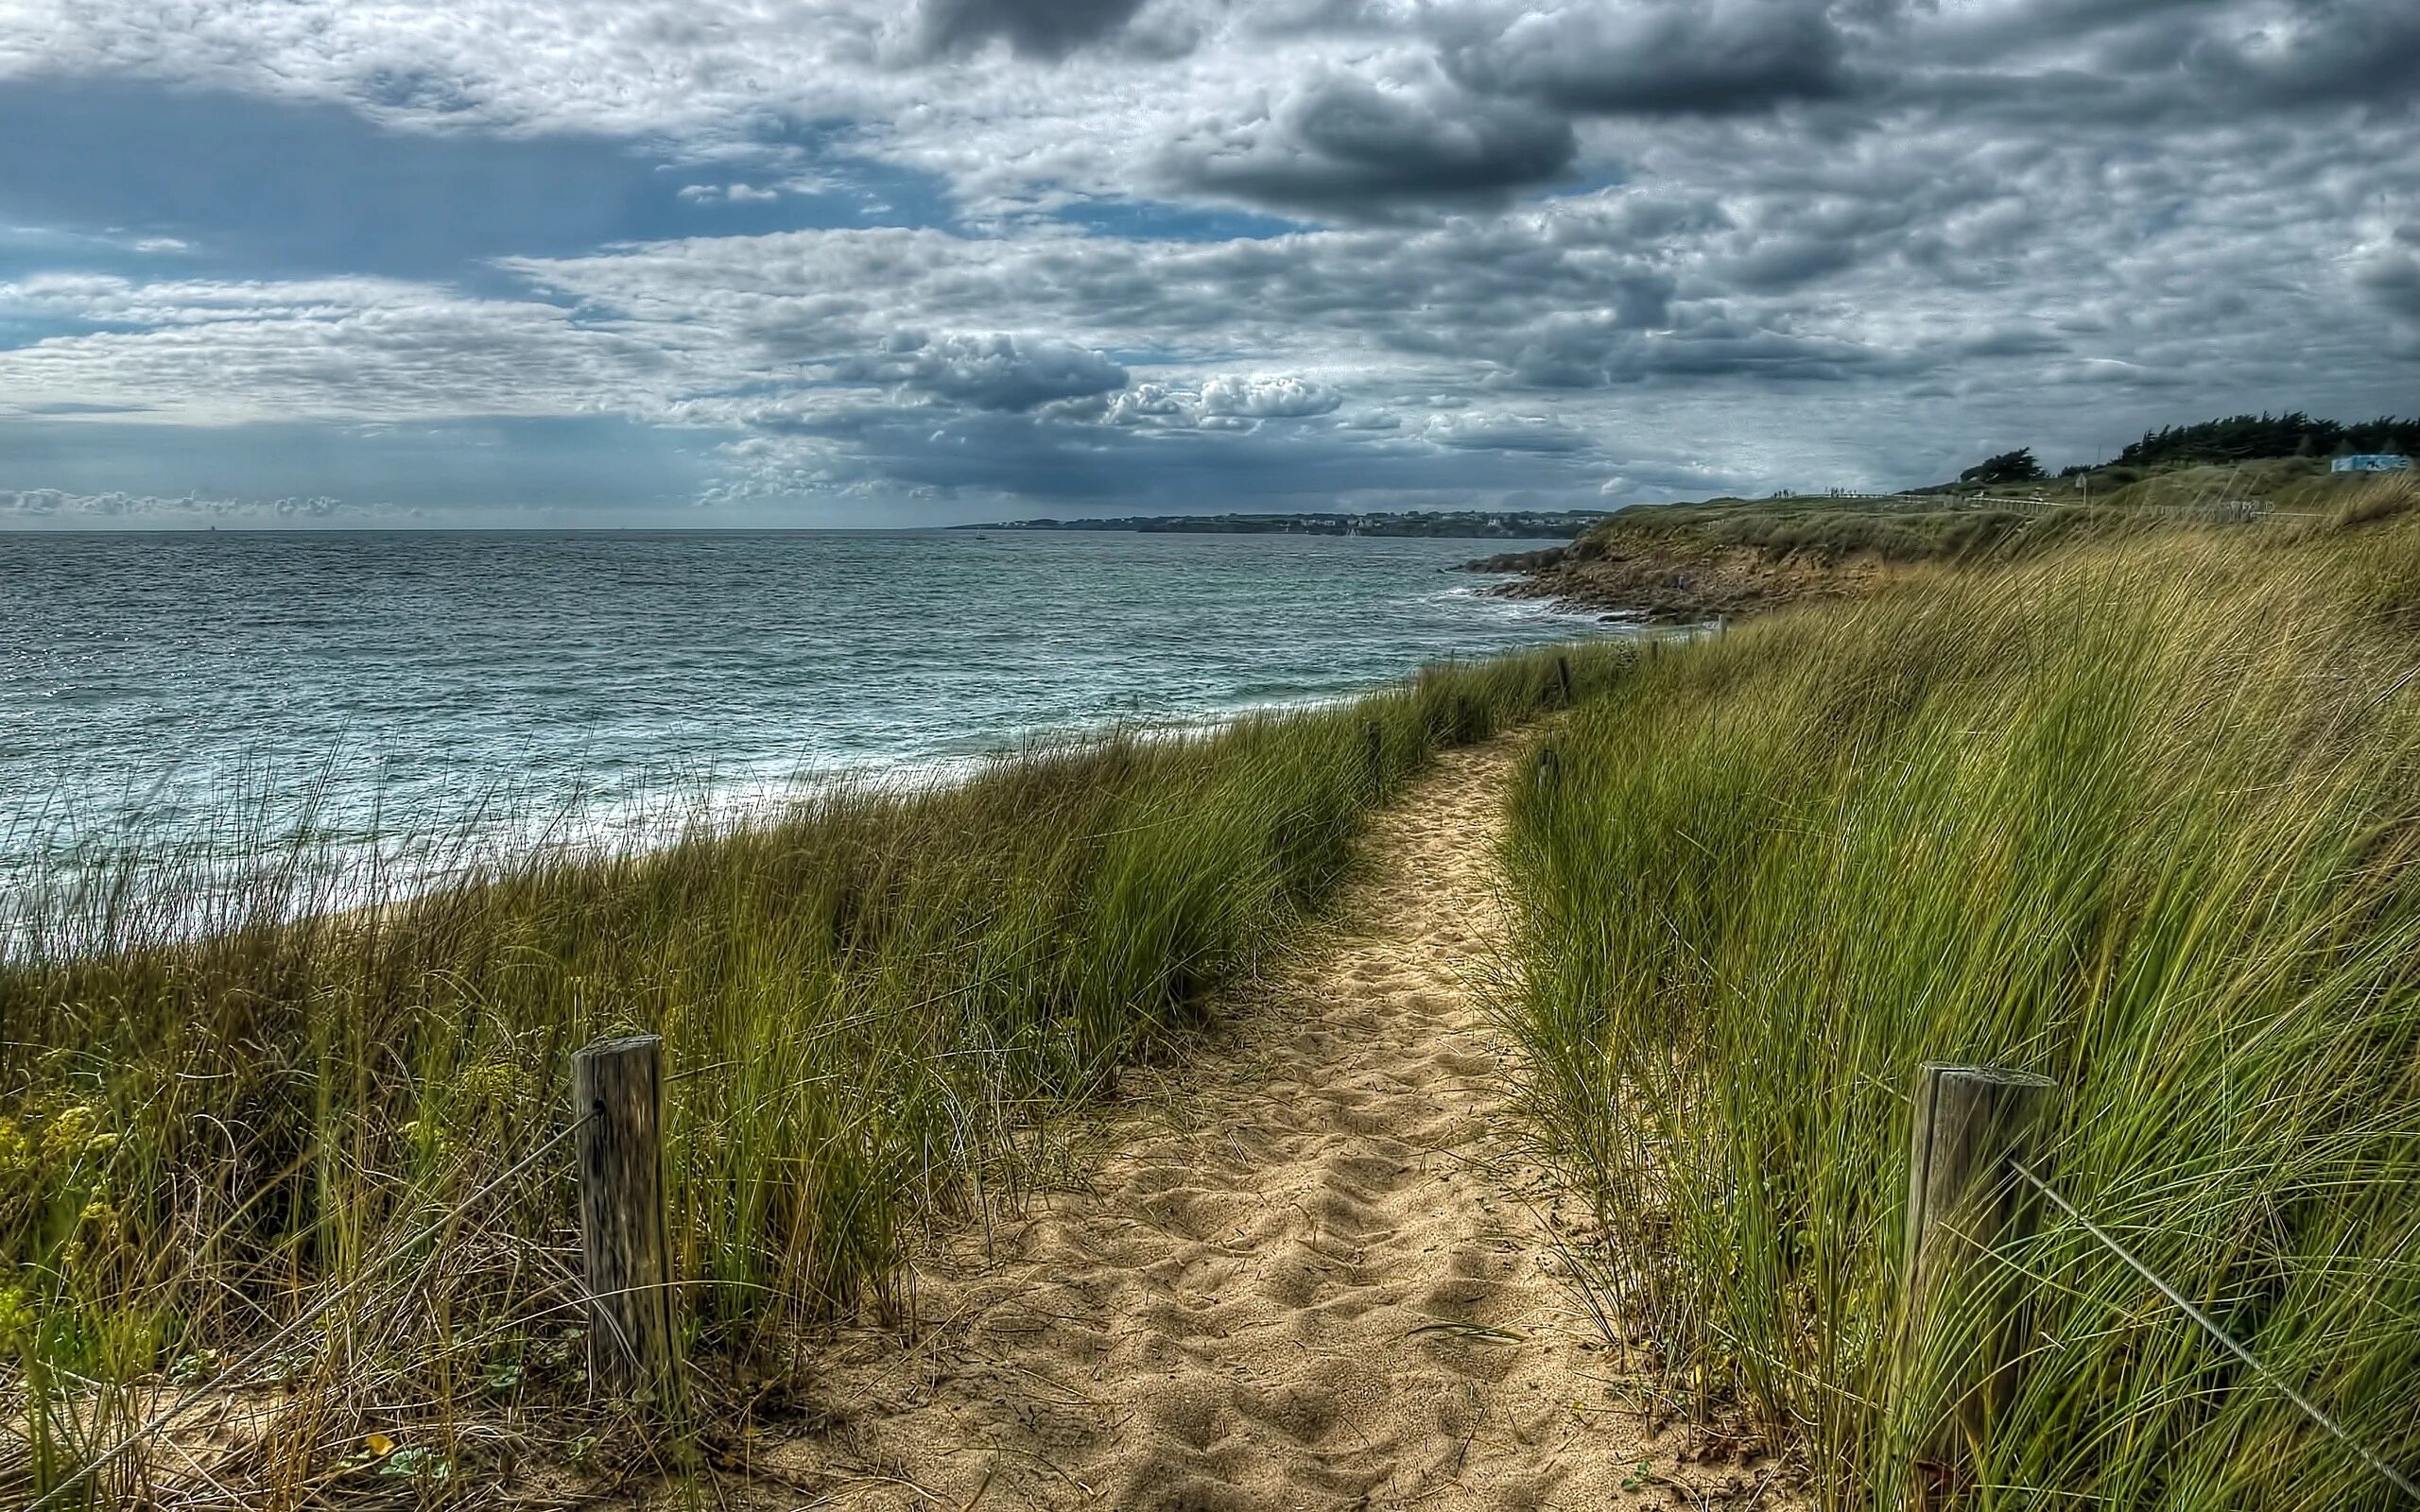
(1493, 524)
(1722, 559)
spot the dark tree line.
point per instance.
(2009, 467)
(2247, 437)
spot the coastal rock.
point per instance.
(1690, 564)
(1689, 587)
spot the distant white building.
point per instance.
(2372, 462)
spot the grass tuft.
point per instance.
(2142, 815)
(875, 1006)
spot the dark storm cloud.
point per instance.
(2326, 54)
(2156, 65)
(1788, 260)
(1051, 463)
(1733, 349)
(1386, 249)
(1567, 350)
(1345, 147)
(1294, 18)
(1507, 433)
(2010, 342)
(1993, 38)
(1662, 58)
(1591, 351)
(2391, 273)
(1034, 29)
(1001, 371)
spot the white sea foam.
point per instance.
(506, 696)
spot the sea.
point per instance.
(174, 695)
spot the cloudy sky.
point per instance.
(902, 262)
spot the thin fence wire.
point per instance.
(235, 1375)
(2226, 1341)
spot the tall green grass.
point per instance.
(874, 1006)
(2143, 816)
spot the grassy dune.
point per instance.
(2142, 813)
(873, 1009)
(2290, 485)
(1691, 563)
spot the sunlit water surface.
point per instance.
(193, 693)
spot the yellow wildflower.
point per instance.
(489, 1083)
(64, 1136)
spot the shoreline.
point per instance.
(877, 1019)
(325, 872)
(1680, 585)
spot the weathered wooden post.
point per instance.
(1964, 1198)
(1563, 679)
(1550, 770)
(617, 1093)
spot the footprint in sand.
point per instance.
(1306, 1296)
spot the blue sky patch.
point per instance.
(126, 176)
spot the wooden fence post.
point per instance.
(1964, 1198)
(618, 1092)
(1562, 678)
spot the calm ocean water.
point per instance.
(182, 687)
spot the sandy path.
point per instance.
(1305, 1277)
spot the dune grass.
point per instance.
(2143, 816)
(1831, 530)
(2292, 485)
(875, 1006)
(2001, 523)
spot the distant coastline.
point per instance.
(1477, 524)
